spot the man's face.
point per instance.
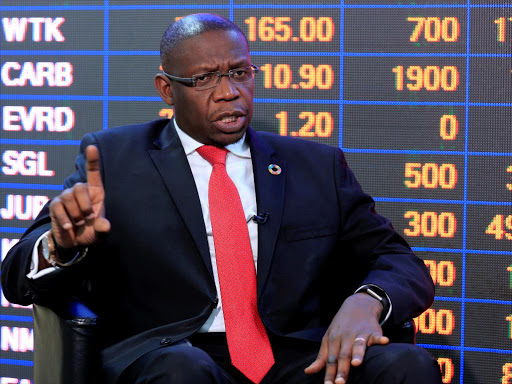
(217, 116)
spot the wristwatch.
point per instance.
(378, 294)
(49, 252)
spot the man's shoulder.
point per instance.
(294, 144)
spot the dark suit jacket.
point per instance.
(151, 279)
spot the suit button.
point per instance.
(165, 341)
(215, 303)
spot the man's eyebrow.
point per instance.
(205, 68)
(242, 62)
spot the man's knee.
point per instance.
(411, 354)
(406, 363)
(180, 364)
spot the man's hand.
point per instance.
(77, 214)
(355, 327)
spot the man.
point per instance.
(156, 228)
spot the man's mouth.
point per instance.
(230, 123)
(228, 119)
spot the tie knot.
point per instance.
(213, 155)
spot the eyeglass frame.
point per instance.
(192, 80)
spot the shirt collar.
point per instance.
(240, 148)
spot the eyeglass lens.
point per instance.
(212, 79)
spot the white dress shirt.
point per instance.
(239, 169)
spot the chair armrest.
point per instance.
(66, 345)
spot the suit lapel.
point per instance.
(173, 166)
(270, 199)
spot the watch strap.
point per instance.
(380, 295)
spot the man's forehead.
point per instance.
(215, 38)
(208, 51)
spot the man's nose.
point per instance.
(226, 90)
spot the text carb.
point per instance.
(17, 339)
(43, 28)
(26, 163)
(37, 74)
(22, 207)
(21, 118)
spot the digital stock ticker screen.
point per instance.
(416, 93)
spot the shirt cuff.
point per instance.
(386, 316)
(34, 272)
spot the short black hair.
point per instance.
(190, 26)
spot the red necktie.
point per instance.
(248, 344)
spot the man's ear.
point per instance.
(164, 88)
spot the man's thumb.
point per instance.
(101, 225)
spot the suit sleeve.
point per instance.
(17, 288)
(388, 259)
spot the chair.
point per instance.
(66, 344)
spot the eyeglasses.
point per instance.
(212, 79)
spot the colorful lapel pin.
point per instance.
(274, 169)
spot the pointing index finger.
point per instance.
(93, 166)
